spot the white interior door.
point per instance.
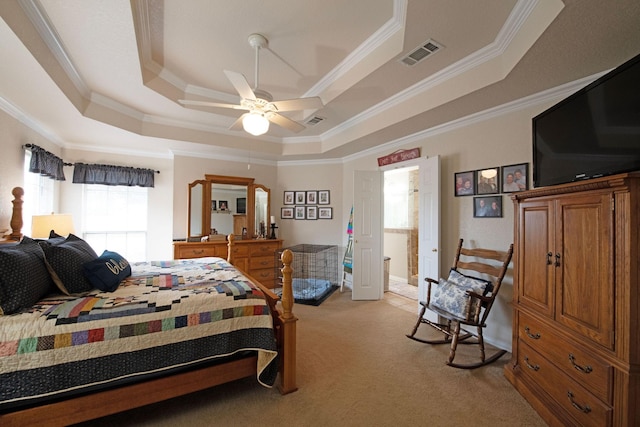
(429, 225)
(367, 236)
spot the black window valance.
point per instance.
(112, 175)
(46, 163)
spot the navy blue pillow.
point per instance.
(24, 278)
(65, 259)
(107, 271)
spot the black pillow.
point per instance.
(107, 271)
(24, 278)
(65, 260)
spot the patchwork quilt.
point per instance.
(167, 315)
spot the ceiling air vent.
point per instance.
(428, 48)
(314, 120)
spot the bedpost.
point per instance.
(230, 238)
(288, 322)
(16, 216)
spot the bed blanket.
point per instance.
(168, 314)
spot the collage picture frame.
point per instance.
(306, 205)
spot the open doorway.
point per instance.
(401, 219)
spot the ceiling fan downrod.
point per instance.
(257, 41)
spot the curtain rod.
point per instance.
(64, 163)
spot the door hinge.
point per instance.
(613, 203)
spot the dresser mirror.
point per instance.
(221, 205)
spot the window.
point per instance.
(38, 195)
(399, 196)
(115, 218)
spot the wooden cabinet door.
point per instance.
(534, 265)
(584, 270)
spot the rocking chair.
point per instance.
(463, 302)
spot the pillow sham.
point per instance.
(24, 278)
(65, 260)
(107, 271)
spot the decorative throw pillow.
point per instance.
(107, 271)
(464, 280)
(24, 278)
(65, 260)
(451, 295)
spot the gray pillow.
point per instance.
(65, 260)
(24, 278)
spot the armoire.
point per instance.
(576, 325)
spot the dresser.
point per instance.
(256, 257)
(576, 324)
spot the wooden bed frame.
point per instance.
(100, 404)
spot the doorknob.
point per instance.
(434, 250)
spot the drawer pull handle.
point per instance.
(586, 409)
(532, 367)
(530, 335)
(587, 369)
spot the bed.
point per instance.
(169, 328)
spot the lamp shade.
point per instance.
(41, 225)
(255, 123)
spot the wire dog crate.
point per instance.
(315, 272)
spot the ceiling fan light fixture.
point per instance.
(255, 123)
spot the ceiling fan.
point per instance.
(259, 104)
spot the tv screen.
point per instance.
(241, 205)
(592, 133)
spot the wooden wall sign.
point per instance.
(399, 156)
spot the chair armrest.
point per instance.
(482, 298)
(429, 281)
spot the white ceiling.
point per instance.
(106, 75)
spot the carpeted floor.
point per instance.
(355, 368)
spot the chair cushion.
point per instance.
(24, 278)
(451, 295)
(107, 271)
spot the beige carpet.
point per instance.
(355, 368)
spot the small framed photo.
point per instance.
(312, 212)
(325, 213)
(214, 205)
(288, 198)
(488, 181)
(312, 197)
(514, 178)
(286, 213)
(299, 212)
(487, 207)
(465, 183)
(223, 205)
(301, 198)
(323, 197)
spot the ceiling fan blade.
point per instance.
(312, 103)
(284, 122)
(241, 85)
(210, 104)
(237, 125)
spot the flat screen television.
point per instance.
(594, 132)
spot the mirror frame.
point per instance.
(226, 179)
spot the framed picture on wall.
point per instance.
(223, 205)
(312, 197)
(288, 198)
(286, 213)
(214, 205)
(464, 183)
(323, 197)
(487, 207)
(514, 178)
(488, 181)
(299, 212)
(301, 198)
(325, 213)
(312, 212)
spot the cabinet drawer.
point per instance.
(263, 276)
(196, 251)
(576, 401)
(589, 370)
(263, 249)
(262, 262)
(239, 250)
